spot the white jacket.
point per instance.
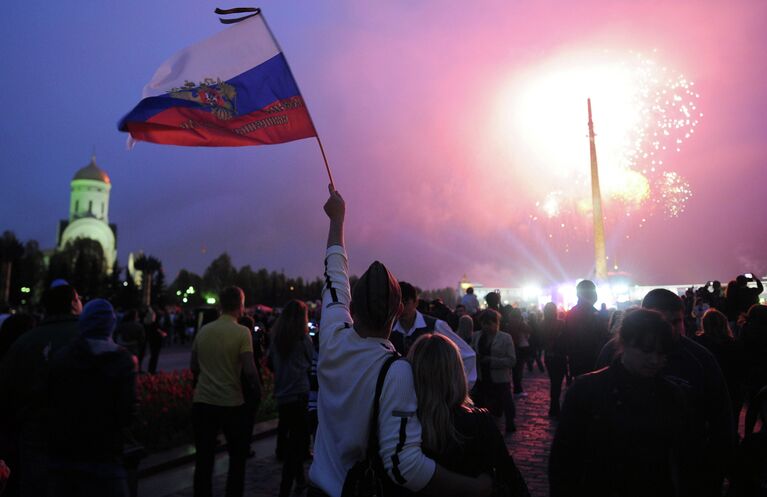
(347, 371)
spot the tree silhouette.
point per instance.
(28, 272)
(159, 297)
(148, 266)
(220, 274)
(81, 263)
(178, 289)
(113, 283)
(11, 251)
(88, 267)
(448, 295)
(128, 296)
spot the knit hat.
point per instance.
(59, 282)
(98, 320)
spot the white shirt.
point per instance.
(468, 355)
(471, 303)
(347, 372)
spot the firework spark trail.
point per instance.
(672, 116)
(667, 114)
(674, 193)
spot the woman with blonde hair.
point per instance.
(457, 435)
(290, 357)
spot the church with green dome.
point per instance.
(89, 212)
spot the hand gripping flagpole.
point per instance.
(251, 11)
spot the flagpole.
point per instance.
(316, 133)
(322, 150)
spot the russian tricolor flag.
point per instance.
(233, 89)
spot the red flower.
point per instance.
(5, 471)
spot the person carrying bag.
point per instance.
(367, 478)
(354, 346)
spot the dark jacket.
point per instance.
(755, 343)
(291, 373)
(483, 450)
(731, 357)
(402, 343)
(520, 332)
(585, 334)
(552, 337)
(131, 335)
(696, 371)
(749, 478)
(620, 435)
(740, 299)
(24, 370)
(93, 398)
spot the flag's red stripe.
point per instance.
(195, 127)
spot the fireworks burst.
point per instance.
(668, 103)
(645, 113)
(551, 204)
(674, 193)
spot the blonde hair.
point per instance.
(441, 387)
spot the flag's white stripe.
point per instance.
(231, 52)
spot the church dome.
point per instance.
(92, 172)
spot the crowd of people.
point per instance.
(387, 394)
(67, 392)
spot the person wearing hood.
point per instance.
(92, 391)
(24, 386)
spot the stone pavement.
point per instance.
(261, 479)
(529, 447)
(530, 444)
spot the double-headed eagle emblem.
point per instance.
(217, 96)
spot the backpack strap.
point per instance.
(372, 452)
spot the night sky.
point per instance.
(429, 117)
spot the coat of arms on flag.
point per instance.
(219, 96)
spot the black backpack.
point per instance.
(368, 478)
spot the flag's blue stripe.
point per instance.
(256, 88)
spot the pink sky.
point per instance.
(431, 78)
(405, 96)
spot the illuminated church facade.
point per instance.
(89, 212)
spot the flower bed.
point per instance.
(164, 417)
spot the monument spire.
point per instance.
(600, 253)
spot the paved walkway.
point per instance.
(172, 357)
(529, 446)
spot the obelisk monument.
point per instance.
(600, 255)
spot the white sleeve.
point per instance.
(335, 293)
(468, 355)
(399, 431)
